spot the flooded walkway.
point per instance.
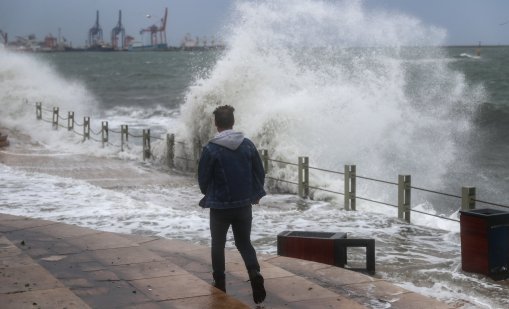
(45, 264)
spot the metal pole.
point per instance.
(104, 132)
(467, 198)
(303, 167)
(350, 187)
(170, 147)
(123, 131)
(404, 186)
(38, 110)
(70, 121)
(55, 118)
(197, 153)
(86, 128)
(265, 159)
(146, 144)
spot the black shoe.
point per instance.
(257, 285)
(220, 284)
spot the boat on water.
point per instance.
(100, 47)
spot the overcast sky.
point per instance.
(466, 21)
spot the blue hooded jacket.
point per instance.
(230, 172)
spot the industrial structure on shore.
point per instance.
(118, 41)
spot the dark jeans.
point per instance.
(240, 219)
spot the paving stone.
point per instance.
(322, 303)
(53, 298)
(174, 287)
(129, 255)
(18, 260)
(380, 290)
(340, 276)
(147, 270)
(214, 301)
(139, 239)
(10, 225)
(26, 278)
(7, 248)
(115, 294)
(169, 246)
(268, 272)
(293, 289)
(61, 230)
(101, 241)
(147, 305)
(416, 301)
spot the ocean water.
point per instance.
(353, 87)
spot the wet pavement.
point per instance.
(45, 264)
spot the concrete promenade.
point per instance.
(45, 264)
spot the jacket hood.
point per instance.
(229, 139)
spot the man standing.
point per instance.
(231, 176)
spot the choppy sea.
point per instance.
(353, 88)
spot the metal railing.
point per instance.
(103, 135)
(467, 198)
(190, 158)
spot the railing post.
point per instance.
(86, 128)
(350, 187)
(303, 167)
(197, 153)
(38, 110)
(104, 132)
(124, 131)
(146, 144)
(467, 198)
(55, 118)
(265, 160)
(404, 197)
(70, 121)
(170, 148)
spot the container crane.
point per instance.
(3, 36)
(119, 29)
(154, 30)
(95, 34)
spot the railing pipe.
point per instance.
(170, 148)
(38, 110)
(467, 198)
(55, 118)
(86, 128)
(70, 121)
(303, 167)
(124, 135)
(197, 153)
(146, 144)
(350, 187)
(104, 133)
(265, 160)
(404, 197)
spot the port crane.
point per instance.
(154, 30)
(119, 29)
(95, 34)
(3, 35)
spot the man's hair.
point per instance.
(224, 117)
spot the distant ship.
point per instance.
(138, 46)
(100, 47)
